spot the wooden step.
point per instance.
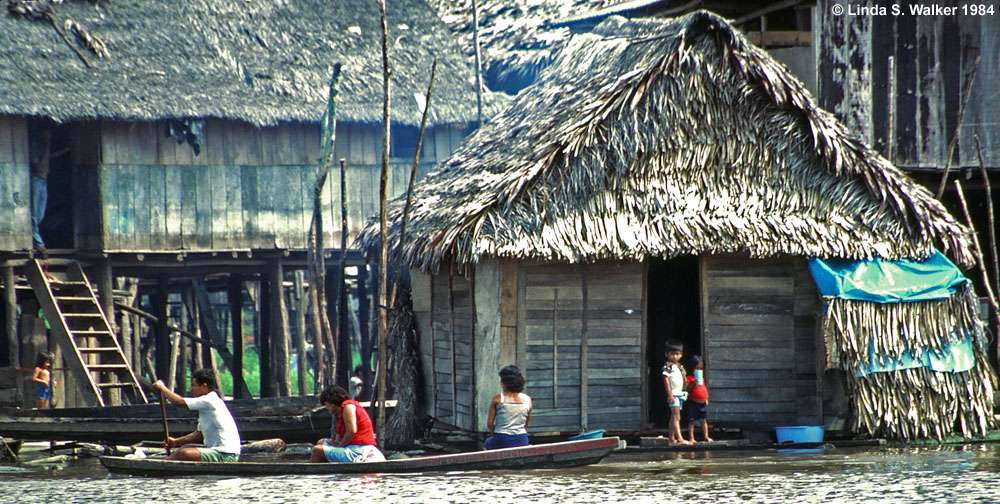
(97, 349)
(67, 283)
(75, 299)
(90, 332)
(81, 315)
(115, 385)
(105, 367)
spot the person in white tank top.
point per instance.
(510, 412)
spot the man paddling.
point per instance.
(216, 427)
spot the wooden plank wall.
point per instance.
(552, 335)
(248, 188)
(451, 332)
(15, 189)
(905, 75)
(759, 341)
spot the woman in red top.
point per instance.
(355, 440)
(697, 403)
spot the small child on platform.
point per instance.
(42, 376)
(697, 406)
(673, 382)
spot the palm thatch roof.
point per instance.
(260, 62)
(663, 138)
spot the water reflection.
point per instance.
(904, 475)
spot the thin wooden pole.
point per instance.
(413, 178)
(479, 63)
(383, 294)
(317, 277)
(958, 129)
(300, 333)
(989, 216)
(979, 255)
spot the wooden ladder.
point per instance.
(79, 325)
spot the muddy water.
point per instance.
(953, 474)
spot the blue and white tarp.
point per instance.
(887, 281)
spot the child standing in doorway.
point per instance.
(673, 382)
(42, 376)
(697, 407)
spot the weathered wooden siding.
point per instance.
(759, 338)
(452, 334)
(582, 321)
(897, 82)
(15, 191)
(249, 188)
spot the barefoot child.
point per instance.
(673, 382)
(697, 407)
(42, 376)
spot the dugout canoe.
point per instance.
(541, 456)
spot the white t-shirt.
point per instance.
(215, 423)
(676, 376)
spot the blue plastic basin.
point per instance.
(588, 435)
(800, 434)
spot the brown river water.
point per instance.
(939, 474)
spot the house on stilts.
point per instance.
(190, 141)
(666, 179)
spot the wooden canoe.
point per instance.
(541, 456)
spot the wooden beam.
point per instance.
(235, 298)
(279, 328)
(161, 335)
(10, 312)
(264, 337)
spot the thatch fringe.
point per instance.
(911, 403)
(653, 138)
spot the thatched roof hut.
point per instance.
(650, 138)
(647, 141)
(259, 62)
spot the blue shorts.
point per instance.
(352, 453)
(497, 441)
(43, 392)
(696, 411)
(678, 402)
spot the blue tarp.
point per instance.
(887, 281)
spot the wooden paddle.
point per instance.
(148, 385)
(166, 431)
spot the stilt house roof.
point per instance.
(261, 62)
(663, 138)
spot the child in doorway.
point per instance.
(673, 382)
(42, 376)
(697, 406)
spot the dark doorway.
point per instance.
(56, 227)
(673, 311)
